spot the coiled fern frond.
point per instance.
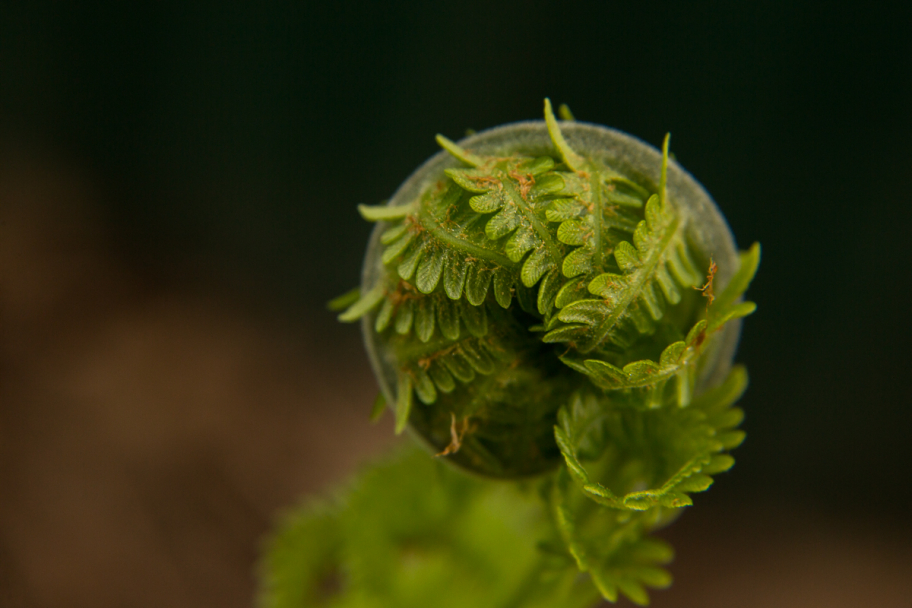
(540, 304)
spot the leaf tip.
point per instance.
(663, 180)
(403, 401)
(340, 303)
(573, 160)
(457, 151)
(378, 408)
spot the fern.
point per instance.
(303, 563)
(632, 300)
(534, 311)
(672, 450)
(488, 229)
(680, 359)
(611, 546)
(604, 527)
(515, 223)
(652, 260)
(411, 532)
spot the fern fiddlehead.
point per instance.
(540, 300)
(517, 269)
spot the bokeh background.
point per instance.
(178, 185)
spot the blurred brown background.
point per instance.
(177, 201)
(148, 434)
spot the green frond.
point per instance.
(486, 237)
(302, 559)
(497, 217)
(538, 312)
(631, 252)
(455, 350)
(654, 268)
(443, 362)
(677, 449)
(611, 546)
(596, 256)
(678, 362)
(411, 533)
(494, 389)
(455, 254)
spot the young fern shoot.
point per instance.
(539, 305)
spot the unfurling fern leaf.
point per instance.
(611, 546)
(534, 304)
(675, 450)
(679, 360)
(590, 261)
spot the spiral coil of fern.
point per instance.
(559, 296)
(532, 261)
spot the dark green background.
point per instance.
(232, 144)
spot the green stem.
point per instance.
(434, 228)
